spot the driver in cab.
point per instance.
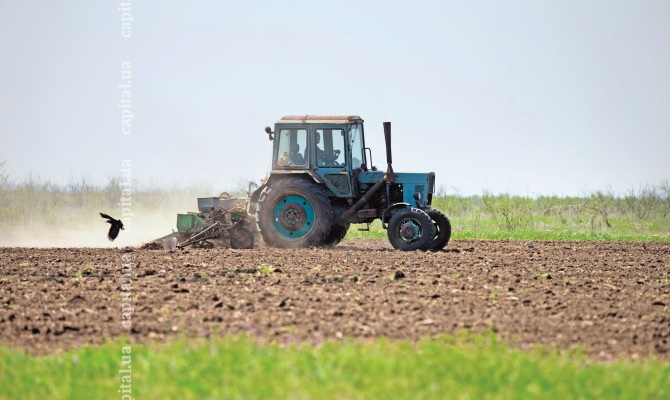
(325, 158)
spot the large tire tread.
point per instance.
(297, 186)
(443, 233)
(336, 234)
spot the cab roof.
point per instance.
(319, 119)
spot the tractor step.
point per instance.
(368, 213)
(366, 229)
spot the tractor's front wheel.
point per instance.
(443, 227)
(410, 229)
(294, 212)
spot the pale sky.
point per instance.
(526, 97)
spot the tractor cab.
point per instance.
(330, 148)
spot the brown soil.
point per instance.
(611, 299)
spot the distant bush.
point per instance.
(642, 214)
(510, 213)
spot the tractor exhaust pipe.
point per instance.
(389, 158)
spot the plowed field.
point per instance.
(610, 299)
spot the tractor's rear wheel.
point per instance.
(410, 229)
(443, 227)
(336, 234)
(294, 212)
(337, 231)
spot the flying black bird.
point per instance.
(116, 225)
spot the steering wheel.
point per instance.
(330, 160)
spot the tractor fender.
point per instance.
(253, 200)
(277, 176)
(281, 174)
(388, 212)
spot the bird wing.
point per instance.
(106, 216)
(113, 232)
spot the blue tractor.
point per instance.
(322, 180)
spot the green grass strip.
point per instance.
(490, 232)
(454, 367)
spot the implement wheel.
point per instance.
(241, 238)
(294, 212)
(443, 227)
(410, 229)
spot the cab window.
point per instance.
(356, 146)
(291, 148)
(330, 144)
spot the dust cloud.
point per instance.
(143, 227)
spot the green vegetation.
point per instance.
(264, 269)
(461, 367)
(641, 215)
